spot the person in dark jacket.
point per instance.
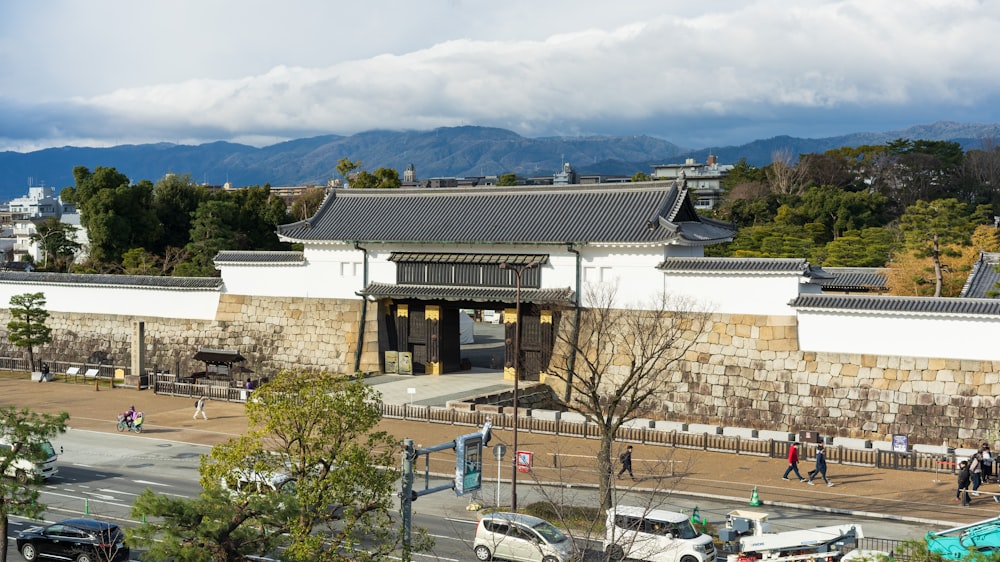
(820, 466)
(626, 459)
(964, 480)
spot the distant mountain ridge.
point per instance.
(444, 152)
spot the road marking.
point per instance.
(152, 483)
(117, 492)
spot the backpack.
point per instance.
(621, 457)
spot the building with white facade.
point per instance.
(703, 180)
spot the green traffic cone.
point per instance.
(754, 499)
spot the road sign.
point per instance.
(499, 450)
(524, 461)
(468, 463)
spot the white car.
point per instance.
(523, 538)
(252, 482)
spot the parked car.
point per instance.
(523, 538)
(80, 540)
(654, 535)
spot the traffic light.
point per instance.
(469, 462)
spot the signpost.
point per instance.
(499, 450)
(524, 459)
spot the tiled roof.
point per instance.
(218, 356)
(854, 279)
(252, 258)
(736, 265)
(133, 281)
(905, 305)
(513, 259)
(479, 294)
(983, 277)
(648, 213)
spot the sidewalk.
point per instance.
(864, 491)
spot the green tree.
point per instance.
(28, 431)
(27, 325)
(211, 232)
(322, 430)
(507, 180)
(870, 247)
(216, 526)
(140, 262)
(346, 168)
(835, 209)
(258, 214)
(307, 203)
(388, 178)
(176, 198)
(57, 240)
(640, 176)
(117, 214)
(931, 229)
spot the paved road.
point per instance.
(864, 491)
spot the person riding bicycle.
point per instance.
(129, 416)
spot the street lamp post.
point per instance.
(517, 271)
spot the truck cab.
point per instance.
(746, 538)
(37, 462)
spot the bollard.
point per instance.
(86, 506)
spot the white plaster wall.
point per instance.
(631, 272)
(127, 301)
(277, 280)
(736, 294)
(970, 337)
(333, 271)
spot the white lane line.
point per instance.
(153, 483)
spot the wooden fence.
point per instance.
(879, 458)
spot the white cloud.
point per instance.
(201, 71)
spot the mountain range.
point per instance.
(445, 152)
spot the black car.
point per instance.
(80, 540)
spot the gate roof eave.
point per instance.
(556, 296)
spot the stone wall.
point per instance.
(744, 371)
(747, 371)
(273, 333)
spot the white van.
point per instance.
(654, 535)
(523, 538)
(24, 469)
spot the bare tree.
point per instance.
(617, 362)
(784, 178)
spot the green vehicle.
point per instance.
(959, 542)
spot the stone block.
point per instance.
(461, 405)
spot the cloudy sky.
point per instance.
(700, 74)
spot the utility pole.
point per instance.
(517, 271)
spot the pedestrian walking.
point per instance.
(199, 408)
(964, 479)
(976, 471)
(820, 466)
(626, 460)
(793, 463)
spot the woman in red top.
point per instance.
(793, 463)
